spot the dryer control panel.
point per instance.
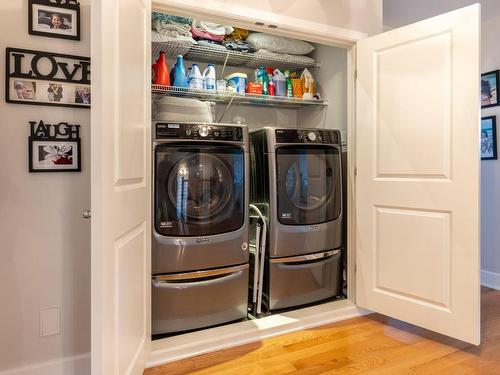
(209, 132)
(321, 136)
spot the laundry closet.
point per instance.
(367, 160)
(247, 175)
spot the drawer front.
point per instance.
(296, 281)
(195, 300)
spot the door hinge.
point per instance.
(355, 171)
(356, 74)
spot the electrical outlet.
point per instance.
(50, 321)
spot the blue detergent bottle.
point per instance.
(180, 73)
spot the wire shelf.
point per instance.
(217, 55)
(228, 96)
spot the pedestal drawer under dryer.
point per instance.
(300, 280)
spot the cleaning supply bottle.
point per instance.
(288, 84)
(209, 78)
(160, 68)
(271, 88)
(180, 73)
(195, 78)
(279, 83)
(263, 79)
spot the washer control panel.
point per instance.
(212, 132)
(321, 136)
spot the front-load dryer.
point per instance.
(297, 181)
(200, 236)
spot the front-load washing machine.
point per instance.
(297, 182)
(200, 251)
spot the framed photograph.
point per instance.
(54, 155)
(489, 138)
(46, 78)
(489, 89)
(54, 18)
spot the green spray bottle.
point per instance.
(288, 84)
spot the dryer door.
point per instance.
(199, 189)
(308, 184)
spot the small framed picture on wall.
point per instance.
(489, 138)
(489, 89)
(54, 155)
(54, 18)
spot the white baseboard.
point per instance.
(490, 279)
(223, 337)
(75, 365)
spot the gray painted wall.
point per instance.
(45, 243)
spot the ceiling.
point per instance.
(402, 12)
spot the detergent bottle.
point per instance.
(209, 78)
(160, 69)
(195, 79)
(180, 73)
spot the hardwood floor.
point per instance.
(368, 345)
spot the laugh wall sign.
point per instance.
(54, 147)
(46, 78)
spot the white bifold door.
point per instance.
(121, 178)
(417, 184)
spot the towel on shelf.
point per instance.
(201, 34)
(171, 28)
(167, 17)
(238, 45)
(211, 44)
(237, 34)
(212, 28)
(182, 40)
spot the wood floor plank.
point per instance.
(373, 344)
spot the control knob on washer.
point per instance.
(203, 131)
(311, 136)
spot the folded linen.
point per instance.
(238, 45)
(212, 28)
(211, 43)
(167, 17)
(179, 40)
(200, 33)
(298, 58)
(171, 28)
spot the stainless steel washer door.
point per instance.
(199, 189)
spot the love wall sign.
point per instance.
(46, 78)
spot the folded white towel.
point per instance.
(213, 28)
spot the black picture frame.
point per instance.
(40, 18)
(489, 89)
(34, 169)
(488, 138)
(17, 72)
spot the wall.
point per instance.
(490, 169)
(45, 243)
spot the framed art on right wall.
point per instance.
(489, 138)
(489, 89)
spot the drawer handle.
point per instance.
(306, 258)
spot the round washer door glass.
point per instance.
(308, 184)
(199, 189)
(200, 186)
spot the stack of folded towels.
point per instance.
(167, 28)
